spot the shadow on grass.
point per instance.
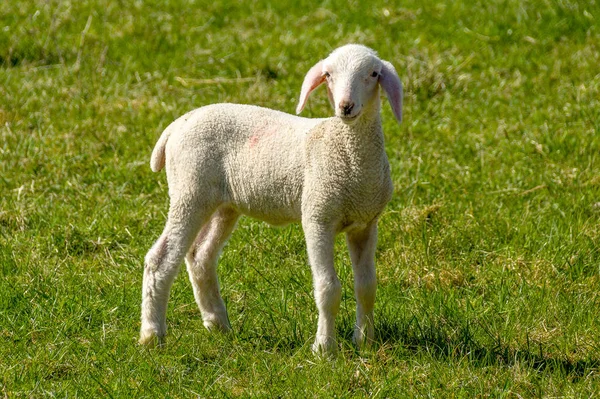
(475, 342)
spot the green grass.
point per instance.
(488, 258)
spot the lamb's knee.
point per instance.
(366, 285)
(328, 294)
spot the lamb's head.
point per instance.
(353, 74)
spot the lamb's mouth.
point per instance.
(349, 119)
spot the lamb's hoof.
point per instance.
(325, 347)
(150, 339)
(216, 325)
(362, 340)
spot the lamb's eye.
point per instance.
(375, 74)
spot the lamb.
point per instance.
(330, 174)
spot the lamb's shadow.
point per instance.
(447, 341)
(465, 341)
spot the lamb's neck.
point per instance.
(366, 132)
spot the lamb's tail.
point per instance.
(157, 161)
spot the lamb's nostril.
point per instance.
(346, 107)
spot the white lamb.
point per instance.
(332, 175)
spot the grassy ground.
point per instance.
(488, 258)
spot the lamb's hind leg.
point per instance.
(162, 262)
(361, 245)
(201, 263)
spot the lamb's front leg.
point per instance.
(328, 290)
(361, 245)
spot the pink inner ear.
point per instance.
(312, 80)
(391, 84)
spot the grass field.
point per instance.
(488, 258)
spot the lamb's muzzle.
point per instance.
(332, 175)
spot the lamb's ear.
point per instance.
(312, 80)
(392, 85)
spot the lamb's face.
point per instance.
(352, 75)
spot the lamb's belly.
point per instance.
(274, 215)
(265, 186)
(275, 204)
